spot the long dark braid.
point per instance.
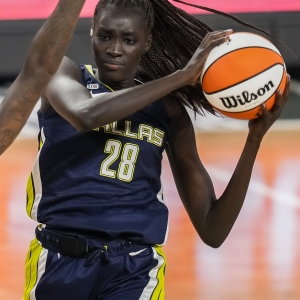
(176, 36)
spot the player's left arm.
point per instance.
(213, 218)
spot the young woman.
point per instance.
(95, 188)
(44, 57)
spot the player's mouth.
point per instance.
(113, 64)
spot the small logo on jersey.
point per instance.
(94, 86)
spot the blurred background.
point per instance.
(261, 257)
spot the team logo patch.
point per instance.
(94, 86)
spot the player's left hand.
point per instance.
(259, 126)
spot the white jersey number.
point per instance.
(126, 166)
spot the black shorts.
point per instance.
(118, 270)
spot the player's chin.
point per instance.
(117, 74)
(113, 76)
(117, 78)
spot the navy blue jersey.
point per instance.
(105, 183)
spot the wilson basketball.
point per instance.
(242, 74)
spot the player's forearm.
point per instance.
(225, 211)
(51, 41)
(44, 57)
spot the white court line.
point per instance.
(257, 188)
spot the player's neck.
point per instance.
(116, 85)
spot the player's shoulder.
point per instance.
(68, 68)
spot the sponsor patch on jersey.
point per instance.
(94, 86)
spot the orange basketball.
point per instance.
(242, 74)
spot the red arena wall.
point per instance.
(32, 9)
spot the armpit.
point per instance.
(177, 113)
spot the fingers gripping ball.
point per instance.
(242, 74)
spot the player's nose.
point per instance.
(115, 48)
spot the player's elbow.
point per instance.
(213, 240)
(84, 121)
(80, 127)
(86, 117)
(81, 124)
(214, 244)
(91, 118)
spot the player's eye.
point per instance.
(129, 41)
(103, 37)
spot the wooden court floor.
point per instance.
(260, 260)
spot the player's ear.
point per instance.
(92, 30)
(148, 43)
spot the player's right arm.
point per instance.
(43, 59)
(73, 102)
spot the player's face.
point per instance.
(120, 38)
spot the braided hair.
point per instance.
(176, 36)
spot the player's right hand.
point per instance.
(194, 67)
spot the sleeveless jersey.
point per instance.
(105, 183)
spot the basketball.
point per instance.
(242, 74)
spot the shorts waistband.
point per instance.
(80, 247)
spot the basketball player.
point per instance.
(95, 187)
(43, 59)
